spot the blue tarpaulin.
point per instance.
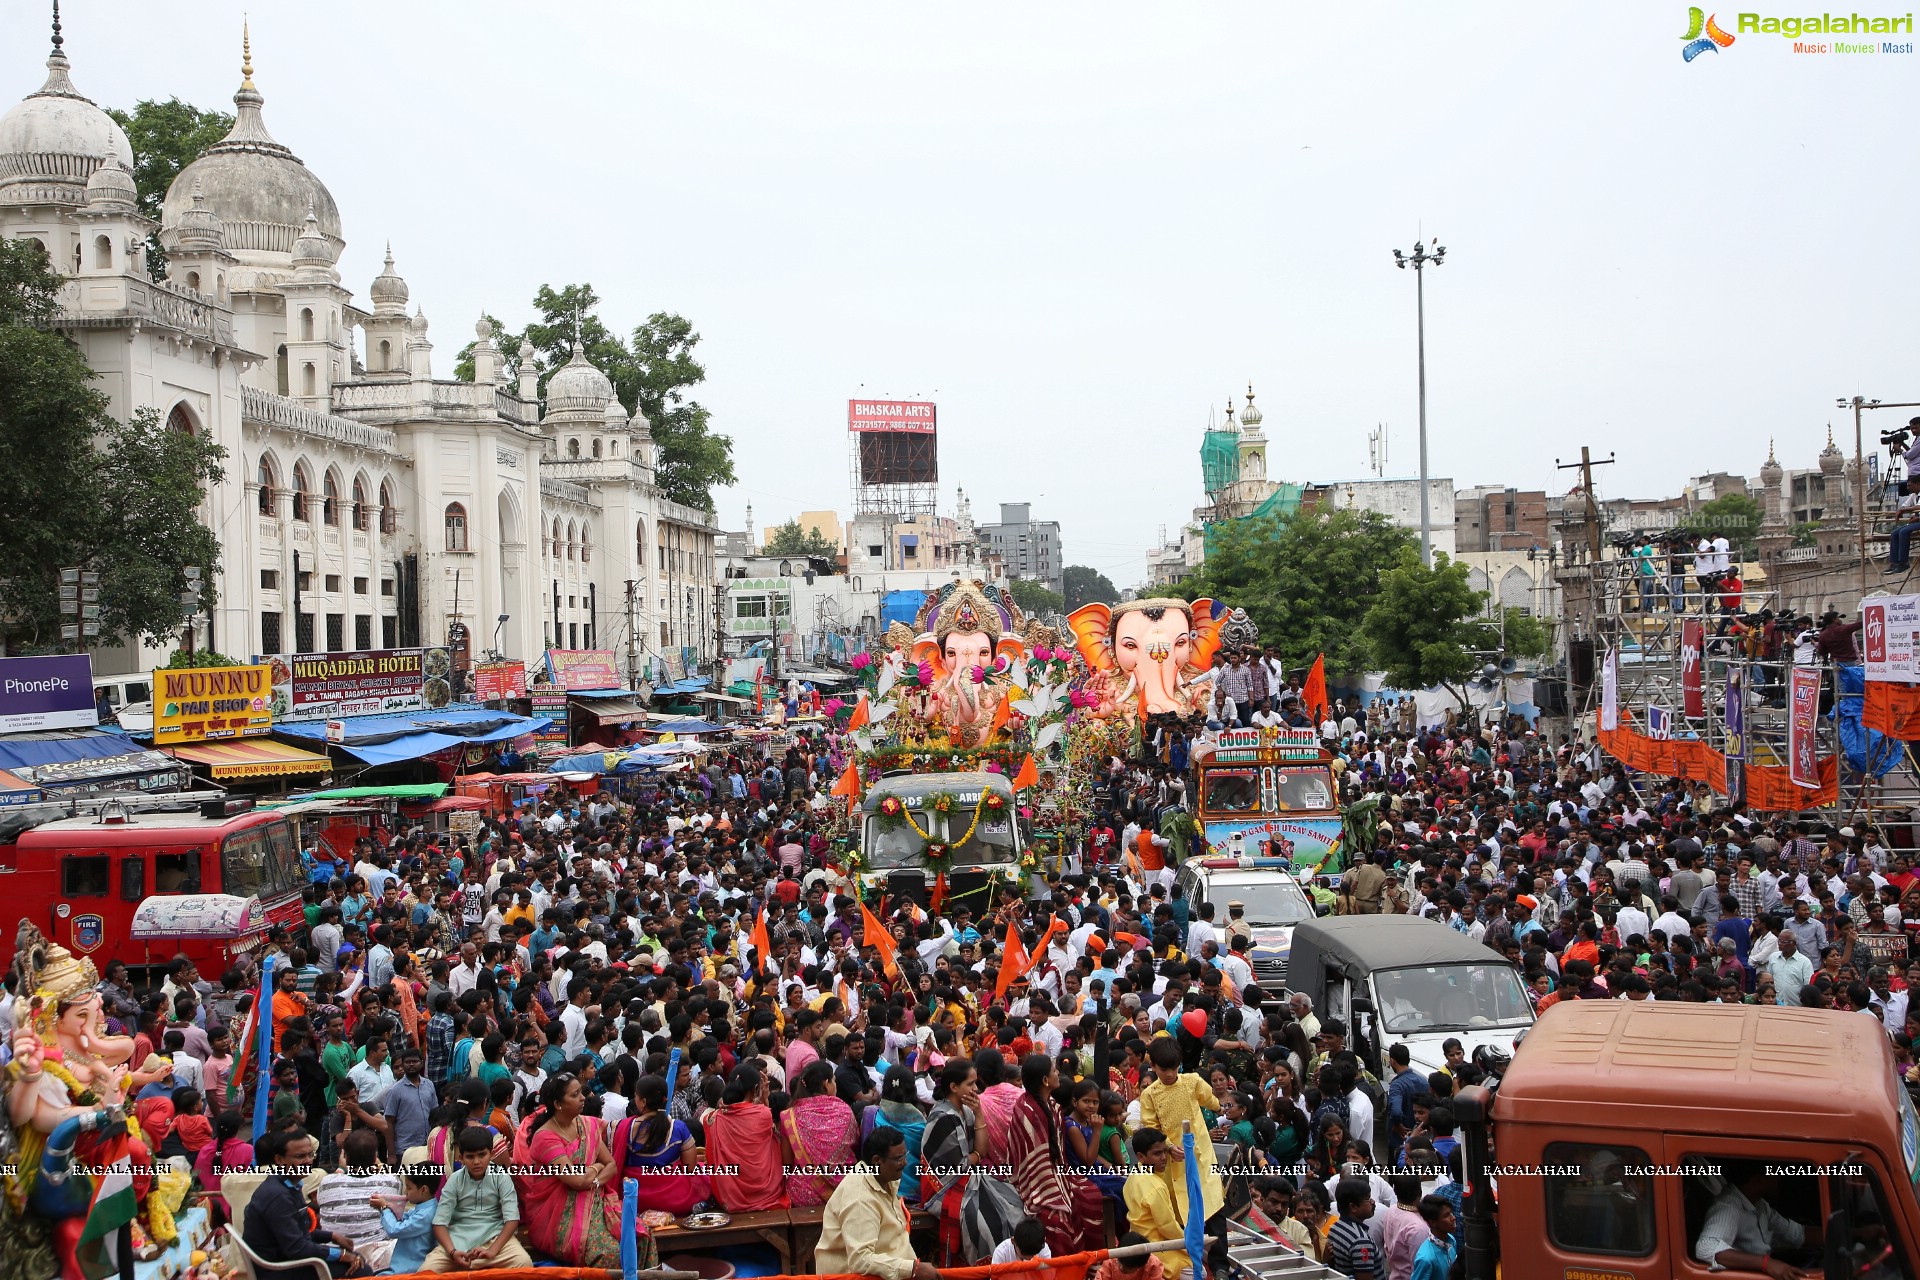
(902, 607)
(689, 726)
(1867, 750)
(692, 684)
(31, 750)
(410, 735)
(614, 762)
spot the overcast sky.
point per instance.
(1079, 227)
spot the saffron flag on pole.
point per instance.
(849, 785)
(877, 937)
(861, 714)
(1013, 960)
(1313, 694)
(1034, 961)
(1029, 774)
(763, 960)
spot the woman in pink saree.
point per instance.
(1067, 1205)
(818, 1132)
(571, 1217)
(656, 1151)
(998, 1097)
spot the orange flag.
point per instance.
(1028, 775)
(1055, 925)
(1013, 960)
(1313, 695)
(758, 940)
(860, 715)
(849, 785)
(1000, 713)
(877, 937)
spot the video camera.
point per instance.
(1898, 438)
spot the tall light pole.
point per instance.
(1420, 260)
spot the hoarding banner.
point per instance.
(1890, 627)
(206, 704)
(1803, 709)
(499, 681)
(53, 692)
(327, 686)
(1610, 692)
(1693, 688)
(890, 415)
(583, 669)
(1736, 751)
(552, 707)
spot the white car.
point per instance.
(1274, 905)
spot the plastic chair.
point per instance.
(260, 1269)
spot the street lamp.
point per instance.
(1859, 404)
(1421, 259)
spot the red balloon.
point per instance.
(1195, 1021)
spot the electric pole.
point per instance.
(633, 643)
(1421, 260)
(1585, 467)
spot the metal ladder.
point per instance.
(1265, 1259)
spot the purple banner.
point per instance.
(54, 692)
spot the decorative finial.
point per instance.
(246, 55)
(389, 255)
(57, 39)
(1829, 435)
(1770, 447)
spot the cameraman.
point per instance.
(1900, 537)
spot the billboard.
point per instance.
(1891, 629)
(1803, 710)
(914, 416)
(54, 692)
(322, 686)
(499, 681)
(572, 669)
(1693, 689)
(203, 704)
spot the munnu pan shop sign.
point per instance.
(201, 704)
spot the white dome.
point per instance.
(51, 143)
(313, 251)
(260, 189)
(112, 185)
(576, 387)
(388, 291)
(1251, 417)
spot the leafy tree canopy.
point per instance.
(81, 488)
(652, 370)
(1428, 627)
(1087, 586)
(1306, 580)
(167, 137)
(790, 539)
(199, 659)
(1734, 516)
(1035, 600)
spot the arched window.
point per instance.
(180, 419)
(280, 368)
(613, 448)
(103, 253)
(386, 356)
(306, 324)
(193, 281)
(596, 446)
(306, 380)
(586, 544)
(661, 547)
(572, 534)
(76, 257)
(556, 538)
(329, 500)
(302, 486)
(640, 544)
(359, 504)
(389, 517)
(220, 286)
(573, 448)
(456, 527)
(266, 487)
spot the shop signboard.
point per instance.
(207, 704)
(326, 686)
(499, 681)
(51, 692)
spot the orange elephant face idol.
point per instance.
(1155, 650)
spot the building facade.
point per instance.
(367, 503)
(1030, 548)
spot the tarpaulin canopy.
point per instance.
(616, 711)
(689, 726)
(252, 758)
(31, 750)
(390, 739)
(600, 693)
(408, 791)
(690, 685)
(619, 763)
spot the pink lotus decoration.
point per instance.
(977, 674)
(832, 706)
(993, 768)
(1043, 653)
(1002, 665)
(926, 673)
(861, 661)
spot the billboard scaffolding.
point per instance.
(893, 456)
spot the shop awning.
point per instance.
(689, 726)
(403, 791)
(616, 711)
(31, 750)
(725, 697)
(390, 739)
(16, 790)
(599, 693)
(252, 758)
(690, 685)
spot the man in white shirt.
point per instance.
(1631, 920)
(574, 1017)
(1200, 932)
(373, 1074)
(462, 977)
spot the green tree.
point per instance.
(790, 539)
(1306, 580)
(1733, 516)
(1428, 627)
(1087, 586)
(652, 371)
(1035, 600)
(167, 137)
(200, 659)
(82, 488)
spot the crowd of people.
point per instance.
(682, 988)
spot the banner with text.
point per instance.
(52, 692)
(1693, 689)
(1803, 711)
(1610, 691)
(499, 681)
(203, 704)
(890, 415)
(572, 669)
(1890, 628)
(324, 686)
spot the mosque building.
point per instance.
(367, 503)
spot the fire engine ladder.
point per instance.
(1256, 1256)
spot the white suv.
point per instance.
(1274, 903)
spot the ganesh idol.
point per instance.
(68, 1092)
(1148, 656)
(965, 629)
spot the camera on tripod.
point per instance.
(1898, 438)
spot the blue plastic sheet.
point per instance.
(1868, 751)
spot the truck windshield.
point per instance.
(260, 862)
(891, 847)
(1233, 790)
(1451, 997)
(1306, 788)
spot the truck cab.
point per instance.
(979, 830)
(1620, 1127)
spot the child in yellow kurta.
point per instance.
(1173, 1098)
(1156, 1201)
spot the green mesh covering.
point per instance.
(1283, 503)
(1220, 459)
